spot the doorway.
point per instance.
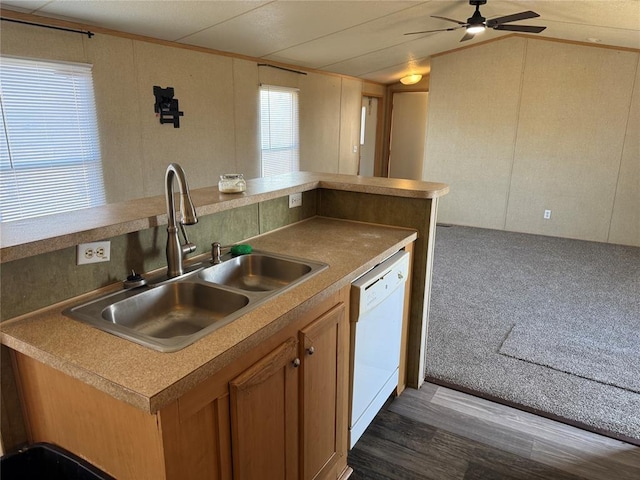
(370, 137)
(408, 135)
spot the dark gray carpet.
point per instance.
(562, 293)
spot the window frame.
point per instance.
(50, 158)
(282, 152)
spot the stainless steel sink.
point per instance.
(167, 317)
(172, 314)
(174, 309)
(257, 272)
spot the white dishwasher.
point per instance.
(377, 304)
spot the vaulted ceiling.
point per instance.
(359, 38)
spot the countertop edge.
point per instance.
(100, 383)
(25, 238)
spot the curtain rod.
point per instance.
(281, 68)
(83, 32)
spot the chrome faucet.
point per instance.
(176, 251)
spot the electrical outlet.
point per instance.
(295, 200)
(93, 252)
(547, 214)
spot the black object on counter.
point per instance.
(48, 462)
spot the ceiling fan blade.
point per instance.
(433, 31)
(520, 28)
(467, 36)
(449, 20)
(511, 18)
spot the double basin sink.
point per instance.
(172, 314)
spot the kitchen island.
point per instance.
(149, 380)
(348, 222)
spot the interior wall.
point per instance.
(625, 227)
(408, 130)
(471, 130)
(350, 104)
(219, 132)
(548, 126)
(320, 114)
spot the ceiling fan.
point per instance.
(476, 23)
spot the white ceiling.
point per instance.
(360, 38)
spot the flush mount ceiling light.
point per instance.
(411, 79)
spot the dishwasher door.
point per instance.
(377, 308)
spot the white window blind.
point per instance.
(279, 130)
(49, 147)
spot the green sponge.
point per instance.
(241, 249)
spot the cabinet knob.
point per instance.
(296, 363)
(311, 350)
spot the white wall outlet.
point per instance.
(295, 200)
(547, 214)
(355, 149)
(93, 252)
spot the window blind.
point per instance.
(49, 147)
(279, 130)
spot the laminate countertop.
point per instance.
(35, 236)
(148, 379)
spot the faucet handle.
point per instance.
(188, 247)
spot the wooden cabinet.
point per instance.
(288, 410)
(279, 411)
(323, 346)
(264, 416)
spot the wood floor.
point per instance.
(438, 433)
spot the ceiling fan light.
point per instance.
(411, 79)
(474, 29)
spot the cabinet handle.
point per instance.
(311, 350)
(296, 363)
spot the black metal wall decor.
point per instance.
(166, 107)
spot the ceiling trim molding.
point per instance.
(533, 37)
(29, 17)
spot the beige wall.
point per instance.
(350, 105)
(521, 125)
(218, 94)
(408, 130)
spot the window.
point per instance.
(279, 151)
(49, 147)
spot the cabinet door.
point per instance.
(324, 350)
(264, 417)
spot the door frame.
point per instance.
(378, 167)
(422, 86)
